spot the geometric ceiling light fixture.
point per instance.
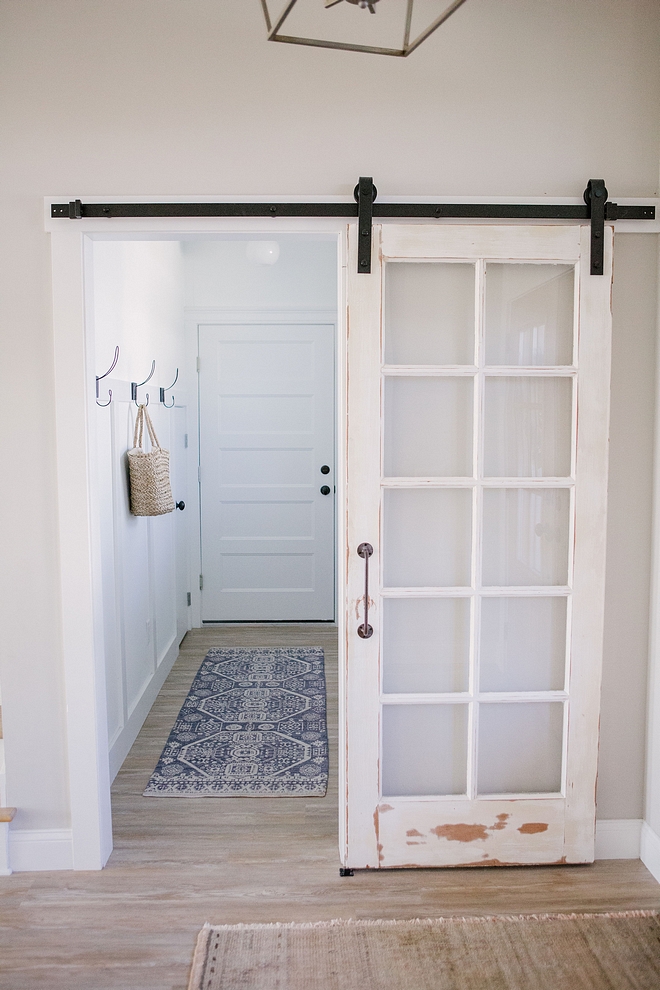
(347, 24)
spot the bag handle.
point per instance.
(138, 434)
(150, 428)
(139, 424)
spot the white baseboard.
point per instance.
(121, 745)
(5, 869)
(40, 849)
(52, 849)
(650, 851)
(618, 838)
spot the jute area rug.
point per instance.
(531, 952)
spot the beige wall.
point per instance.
(173, 97)
(623, 707)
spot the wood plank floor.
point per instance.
(180, 862)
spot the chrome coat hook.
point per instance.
(136, 385)
(99, 377)
(166, 389)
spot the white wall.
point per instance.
(162, 97)
(220, 276)
(137, 289)
(136, 295)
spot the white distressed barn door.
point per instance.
(478, 385)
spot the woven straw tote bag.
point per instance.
(151, 494)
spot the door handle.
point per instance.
(181, 505)
(325, 469)
(364, 629)
(324, 490)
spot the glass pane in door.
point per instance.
(527, 427)
(426, 644)
(525, 536)
(424, 749)
(427, 537)
(428, 427)
(520, 748)
(523, 644)
(529, 314)
(429, 313)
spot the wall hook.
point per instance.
(99, 377)
(136, 385)
(166, 389)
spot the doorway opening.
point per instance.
(243, 333)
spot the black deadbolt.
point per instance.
(325, 469)
(325, 490)
(181, 505)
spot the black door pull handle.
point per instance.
(324, 490)
(325, 469)
(181, 505)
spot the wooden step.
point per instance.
(7, 814)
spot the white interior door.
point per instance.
(267, 472)
(478, 384)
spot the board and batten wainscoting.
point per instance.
(139, 577)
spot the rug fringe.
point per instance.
(199, 957)
(386, 922)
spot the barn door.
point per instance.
(478, 384)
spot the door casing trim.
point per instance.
(81, 604)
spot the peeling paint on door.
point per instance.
(462, 832)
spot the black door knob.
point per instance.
(181, 505)
(325, 469)
(325, 490)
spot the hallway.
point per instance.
(178, 863)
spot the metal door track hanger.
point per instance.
(597, 210)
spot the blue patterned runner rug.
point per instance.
(253, 725)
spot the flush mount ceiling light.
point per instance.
(262, 252)
(344, 24)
